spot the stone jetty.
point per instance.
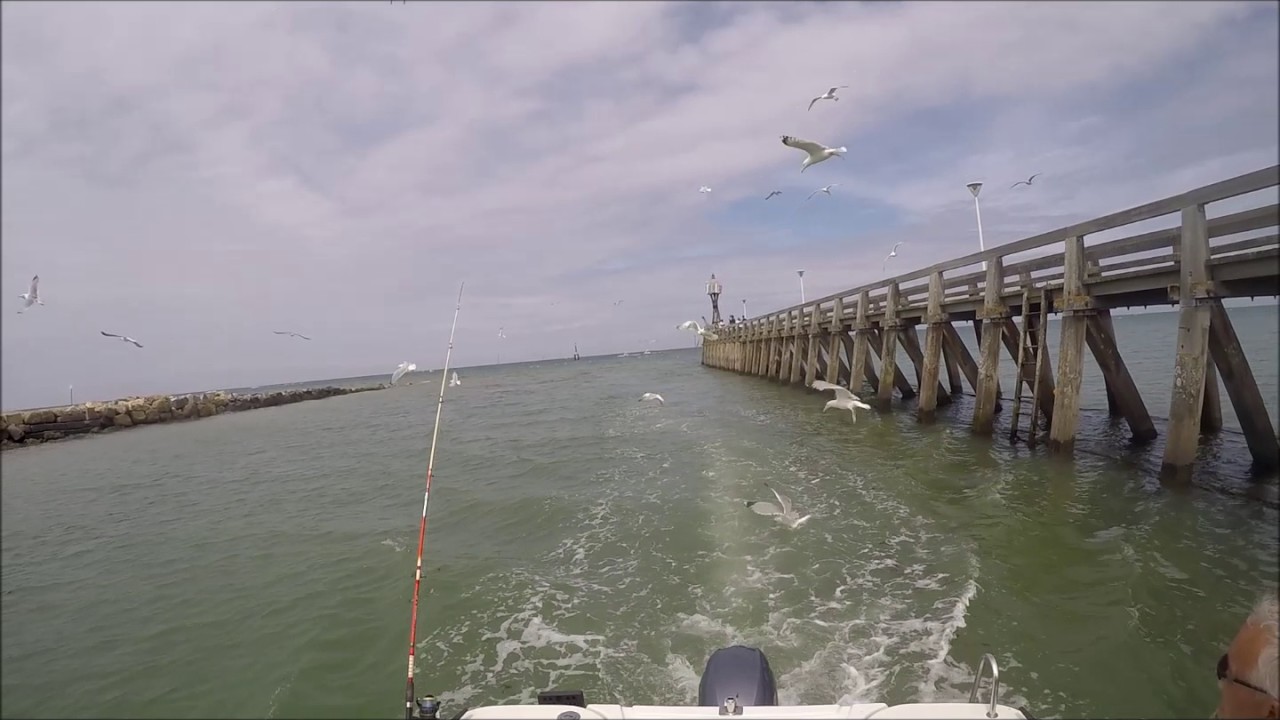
(32, 427)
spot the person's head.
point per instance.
(1249, 672)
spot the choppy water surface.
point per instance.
(260, 564)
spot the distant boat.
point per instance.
(454, 380)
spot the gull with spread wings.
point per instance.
(124, 338)
(817, 152)
(828, 95)
(1026, 182)
(844, 400)
(783, 512)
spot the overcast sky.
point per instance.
(197, 175)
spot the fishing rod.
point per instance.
(429, 706)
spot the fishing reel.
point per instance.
(427, 707)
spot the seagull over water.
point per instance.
(1026, 182)
(826, 190)
(694, 326)
(32, 296)
(845, 400)
(783, 512)
(124, 338)
(401, 369)
(775, 192)
(892, 254)
(290, 333)
(653, 396)
(817, 151)
(828, 95)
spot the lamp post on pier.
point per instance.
(744, 307)
(801, 274)
(713, 290)
(975, 188)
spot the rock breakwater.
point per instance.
(33, 427)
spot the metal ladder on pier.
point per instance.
(1030, 340)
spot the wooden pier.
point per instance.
(1203, 257)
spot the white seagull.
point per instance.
(653, 396)
(290, 333)
(826, 190)
(828, 95)
(783, 512)
(125, 338)
(845, 400)
(892, 254)
(32, 296)
(775, 192)
(401, 369)
(704, 189)
(454, 381)
(817, 151)
(501, 334)
(1026, 182)
(694, 326)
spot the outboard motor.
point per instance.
(736, 677)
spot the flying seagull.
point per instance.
(775, 192)
(290, 333)
(845, 400)
(1026, 182)
(828, 95)
(401, 369)
(501, 334)
(653, 396)
(704, 189)
(783, 512)
(892, 254)
(31, 296)
(694, 326)
(826, 190)
(124, 338)
(817, 152)
(454, 381)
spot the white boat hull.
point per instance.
(880, 711)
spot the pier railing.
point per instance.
(1194, 263)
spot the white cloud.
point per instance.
(199, 174)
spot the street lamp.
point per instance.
(975, 188)
(713, 289)
(744, 307)
(801, 274)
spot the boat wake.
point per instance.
(660, 568)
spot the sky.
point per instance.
(199, 174)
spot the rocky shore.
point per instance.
(33, 427)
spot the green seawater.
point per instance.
(260, 564)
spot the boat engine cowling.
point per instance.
(741, 673)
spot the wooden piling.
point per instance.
(889, 329)
(1075, 307)
(1242, 389)
(993, 314)
(1129, 404)
(1194, 315)
(833, 343)
(955, 381)
(1211, 411)
(794, 341)
(926, 411)
(811, 365)
(1104, 320)
(862, 330)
